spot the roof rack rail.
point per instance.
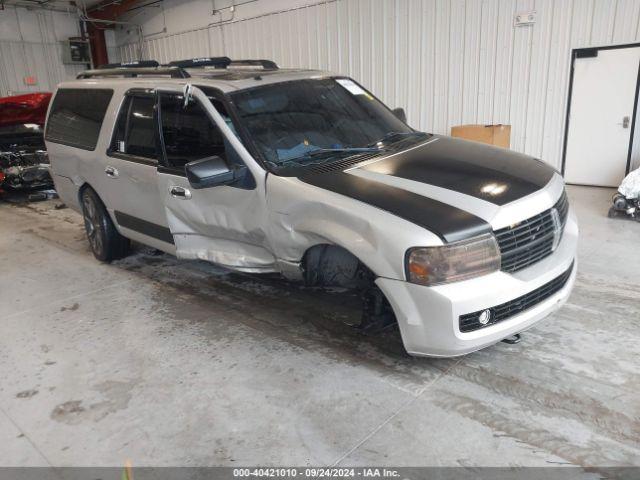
(174, 72)
(265, 64)
(176, 68)
(222, 62)
(135, 64)
(217, 62)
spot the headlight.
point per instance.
(453, 262)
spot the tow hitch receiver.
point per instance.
(513, 339)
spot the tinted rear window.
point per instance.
(76, 116)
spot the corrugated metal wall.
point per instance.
(42, 60)
(40, 57)
(448, 62)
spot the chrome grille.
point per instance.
(471, 321)
(531, 240)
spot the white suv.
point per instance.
(307, 174)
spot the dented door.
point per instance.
(221, 224)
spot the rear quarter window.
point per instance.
(76, 116)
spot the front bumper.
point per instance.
(429, 316)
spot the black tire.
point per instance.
(105, 241)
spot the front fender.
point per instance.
(303, 215)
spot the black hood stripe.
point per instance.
(449, 223)
(493, 174)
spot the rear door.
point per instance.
(131, 172)
(223, 224)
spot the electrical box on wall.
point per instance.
(76, 51)
(523, 19)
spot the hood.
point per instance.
(449, 186)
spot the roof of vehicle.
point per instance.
(225, 79)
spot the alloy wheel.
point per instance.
(93, 224)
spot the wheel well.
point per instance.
(327, 265)
(84, 187)
(81, 190)
(331, 265)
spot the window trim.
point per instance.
(139, 93)
(75, 145)
(133, 158)
(245, 138)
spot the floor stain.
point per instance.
(115, 396)
(316, 319)
(66, 412)
(591, 452)
(72, 308)
(27, 393)
(574, 403)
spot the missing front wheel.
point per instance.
(377, 314)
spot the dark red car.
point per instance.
(23, 159)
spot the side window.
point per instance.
(76, 116)
(188, 132)
(135, 132)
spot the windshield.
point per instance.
(305, 120)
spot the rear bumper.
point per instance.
(429, 316)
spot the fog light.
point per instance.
(484, 317)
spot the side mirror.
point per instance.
(212, 172)
(400, 114)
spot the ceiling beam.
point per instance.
(110, 9)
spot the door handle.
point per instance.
(111, 172)
(625, 121)
(180, 192)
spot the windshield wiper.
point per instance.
(392, 135)
(320, 152)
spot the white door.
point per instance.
(601, 117)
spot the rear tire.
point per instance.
(105, 241)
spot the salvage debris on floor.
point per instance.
(24, 163)
(626, 203)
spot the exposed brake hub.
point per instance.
(377, 314)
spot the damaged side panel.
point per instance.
(228, 253)
(328, 218)
(224, 225)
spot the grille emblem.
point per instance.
(557, 229)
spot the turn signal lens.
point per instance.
(453, 262)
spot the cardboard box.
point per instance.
(499, 135)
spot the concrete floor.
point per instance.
(180, 363)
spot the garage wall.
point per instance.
(29, 47)
(447, 62)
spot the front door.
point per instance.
(222, 224)
(601, 116)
